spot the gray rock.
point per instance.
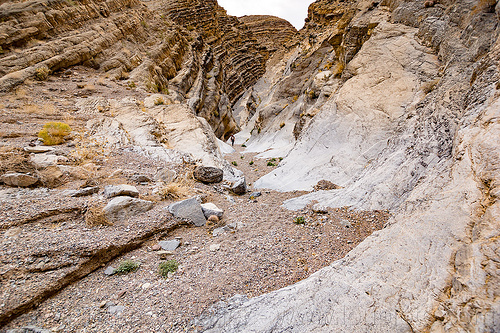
(345, 223)
(141, 179)
(18, 179)
(111, 191)
(318, 209)
(125, 207)
(170, 245)
(38, 149)
(220, 231)
(116, 309)
(189, 209)
(85, 191)
(166, 176)
(255, 195)
(208, 174)
(210, 209)
(239, 187)
(109, 271)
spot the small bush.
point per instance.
(234, 163)
(174, 190)
(271, 164)
(282, 125)
(127, 266)
(42, 73)
(299, 220)
(244, 145)
(168, 267)
(242, 157)
(53, 133)
(251, 162)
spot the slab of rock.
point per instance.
(166, 176)
(29, 329)
(41, 161)
(109, 271)
(208, 174)
(38, 149)
(210, 209)
(170, 245)
(141, 179)
(111, 191)
(18, 179)
(239, 187)
(189, 209)
(124, 207)
(85, 191)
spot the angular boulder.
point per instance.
(111, 191)
(18, 179)
(190, 210)
(208, 174)
(124, 207)
(239, 187)
(210, 209)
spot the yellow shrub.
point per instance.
(53, 133)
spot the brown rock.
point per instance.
(326, 185)
(18, 179)
(208, 174)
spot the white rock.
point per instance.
(210, 209)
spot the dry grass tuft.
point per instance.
(174, 190)
(88, 150)
(95, 216)
(53, 133)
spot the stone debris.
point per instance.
(38, 149)
(239, 187)
(85, 191)
(165, 176)
(190, 210)
(208, 174)
(111, 191)
(210, 209)
(124, 207)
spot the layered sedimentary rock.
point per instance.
(397, 102)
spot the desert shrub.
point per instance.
(169, 266)
(234, 163)
(299, 220)
(271, 164)
(53, 133)
(95, 216)
(243, 145)
(282, 125)
(251, 162)
(42, 73)
(175, 190)
(127, 266)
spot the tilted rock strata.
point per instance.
(270, 31)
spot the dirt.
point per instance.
(267, 251)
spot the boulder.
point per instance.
(41, 161)
(239, 187)
(124, 207)
(208, 174)
(111, 191)
(210, 209)
(170, 245)
(189, 209)
(166, 176)
(18, 179)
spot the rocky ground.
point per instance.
(53, 260)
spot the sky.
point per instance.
(294, 11)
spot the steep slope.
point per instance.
(396, 102)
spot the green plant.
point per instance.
(271, 164)
(42, 73)
(242, 157)
(166, 267)
(244, 145)
(281, 159)
(251, 162)
(127, 266)
(234, 163)
(299, 220)
(272, 159)
(53, 133)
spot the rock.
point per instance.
(18, 179)
(318, 209)
(170, 245)
(255, 195)
(109, 271)
(166, 176)
(51, 176)
(210, 209)
(38, 149)
(345, 223)
(111, 191)
(190, 210)
(141, 179)
(213, 219)
(239, 187)
(219, 231)
(102, 304)
(116, 309)
(208, 174)
(325, 185)
(85, 191)
(164, 254)
(41, 161)
(214, 247)
(146, 286)
(156, 247)
(124, 207)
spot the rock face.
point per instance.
(397, 103)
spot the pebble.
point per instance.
(170, 245)
(109, 271)
(146, 285)
(214, 247)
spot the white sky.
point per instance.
(294, 11)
